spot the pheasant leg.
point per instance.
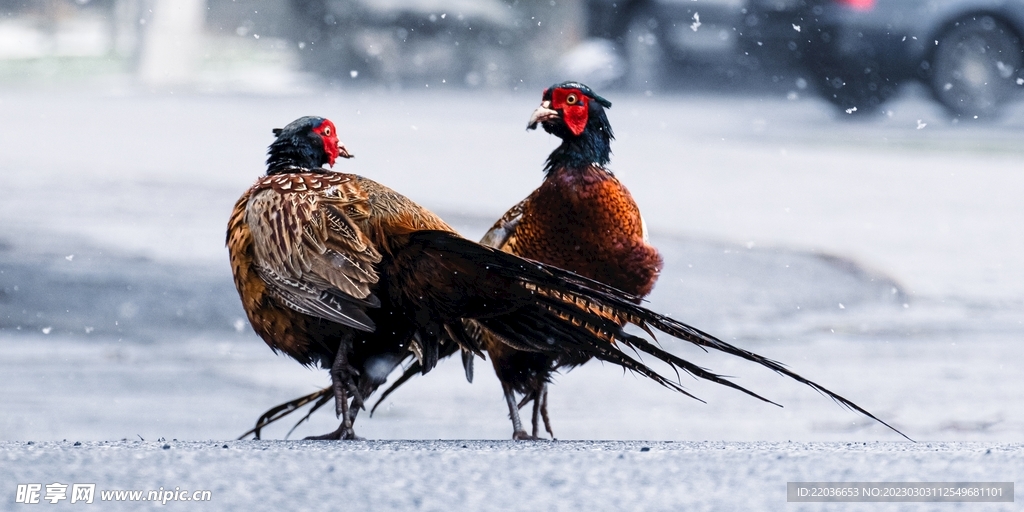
(343, 384)
(536, 415)
(544, 412)
(518, 433)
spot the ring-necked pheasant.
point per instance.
(339, 270)
(305, 245)
(581, 219)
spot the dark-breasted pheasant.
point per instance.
(582, 219)
(339, 270)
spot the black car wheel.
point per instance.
(975, 67)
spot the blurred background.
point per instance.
(269, 45)
(856, 54)
(833, 183)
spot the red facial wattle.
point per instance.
(574, 106)
(329, 134)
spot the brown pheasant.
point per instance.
(304, 245)
(582, 219)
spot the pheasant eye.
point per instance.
(571, 99)
(327, 131)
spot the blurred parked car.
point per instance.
(968, 52)
(652, 35)
(394, 41)
(503, 42)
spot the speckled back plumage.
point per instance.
(372, 216)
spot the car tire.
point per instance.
(642, 47)
(975, 67)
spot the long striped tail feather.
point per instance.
(589, 299)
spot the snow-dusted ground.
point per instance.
(504, 475)
(879, 258)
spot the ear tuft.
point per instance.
(277, 132)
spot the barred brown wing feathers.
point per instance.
(311, 254)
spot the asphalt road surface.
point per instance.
(502, 475)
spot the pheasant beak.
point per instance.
(343, 151)
(543, 114)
